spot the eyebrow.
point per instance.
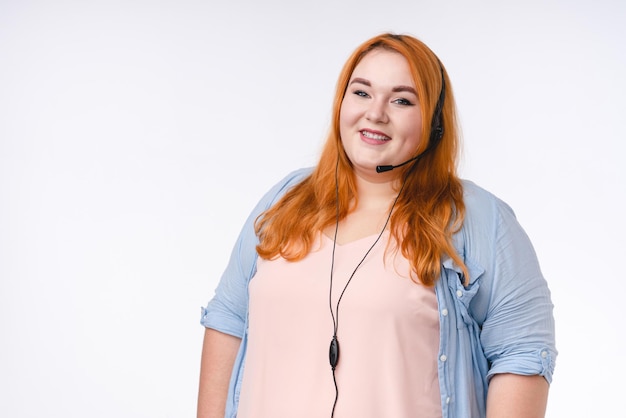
(404, 88)
(396, 89)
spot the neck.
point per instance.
(375, 195)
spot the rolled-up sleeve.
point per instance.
(226, 312)
(518, 331)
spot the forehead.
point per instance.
(382, 66)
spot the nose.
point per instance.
(377, 112)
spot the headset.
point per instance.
(436, 128)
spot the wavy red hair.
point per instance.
(430, 209)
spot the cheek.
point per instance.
(345, 121)
(413, 131)
(348, 114)
(416, 135)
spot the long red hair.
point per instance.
(429, 210)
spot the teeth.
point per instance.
(375, 136)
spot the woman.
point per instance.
(378, 284)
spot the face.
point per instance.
(380, 121)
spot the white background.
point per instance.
(135, 137)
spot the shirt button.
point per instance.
(443, 357)
(459, 293)
(544, 354)
(444, 312)
(447, 400)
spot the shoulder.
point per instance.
(486, 219)
(480, 203)
(290, 180)
(281, 187)
(295, 177)
(484, 212)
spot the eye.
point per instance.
(403, 102)
(360, 93)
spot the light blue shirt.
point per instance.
(501, 322)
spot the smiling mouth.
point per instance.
(377, 137)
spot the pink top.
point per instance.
(388, 335)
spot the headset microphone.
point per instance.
(384, 168)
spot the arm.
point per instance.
(517, 334)
(218, 356)
(513, 308)
(517, 396)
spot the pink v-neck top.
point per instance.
(388, 331)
